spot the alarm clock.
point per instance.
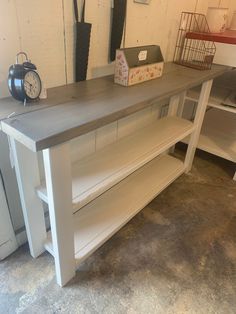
(24, 83)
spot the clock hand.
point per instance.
(28, 83)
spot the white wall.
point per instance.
(204, 4)
(45, 29)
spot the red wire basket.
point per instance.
(191, 51)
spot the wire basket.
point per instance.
(191, 50)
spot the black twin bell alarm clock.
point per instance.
(24, 82)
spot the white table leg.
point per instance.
(201, 109)
(57, 166)
(28, 178)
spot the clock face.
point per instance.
(32, 85)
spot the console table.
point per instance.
(91, 199)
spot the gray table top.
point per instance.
(76, 109)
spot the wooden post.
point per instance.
(176, 106)
(57, 166)
(28, 178)
(173, 105)
(181, 104)
(201, 109)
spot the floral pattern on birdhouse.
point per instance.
(127, 76)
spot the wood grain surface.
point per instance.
(79, 108)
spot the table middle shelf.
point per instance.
(101, 170)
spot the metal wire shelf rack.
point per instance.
(191, 51)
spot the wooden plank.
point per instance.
(10, 106)
(98, 102)
(57, 166)
(27, 174)
(100, 219)
(100, 171)
(55, 96)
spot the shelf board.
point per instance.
(98, 172)
(218, 99)
(218, 135)
(99, 220)
(220, 106)
(228, 37)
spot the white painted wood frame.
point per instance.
(57, 164)
(200, 112)
(210, 139)
(27, 174)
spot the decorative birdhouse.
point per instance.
(138, 64)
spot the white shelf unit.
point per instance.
(99, 220)
(91, 199)
(112, 185)
(218, 133)
(98, 172)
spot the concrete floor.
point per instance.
(176, 256)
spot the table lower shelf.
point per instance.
(95, 223)
(218, 134)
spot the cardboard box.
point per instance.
(138, 64)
